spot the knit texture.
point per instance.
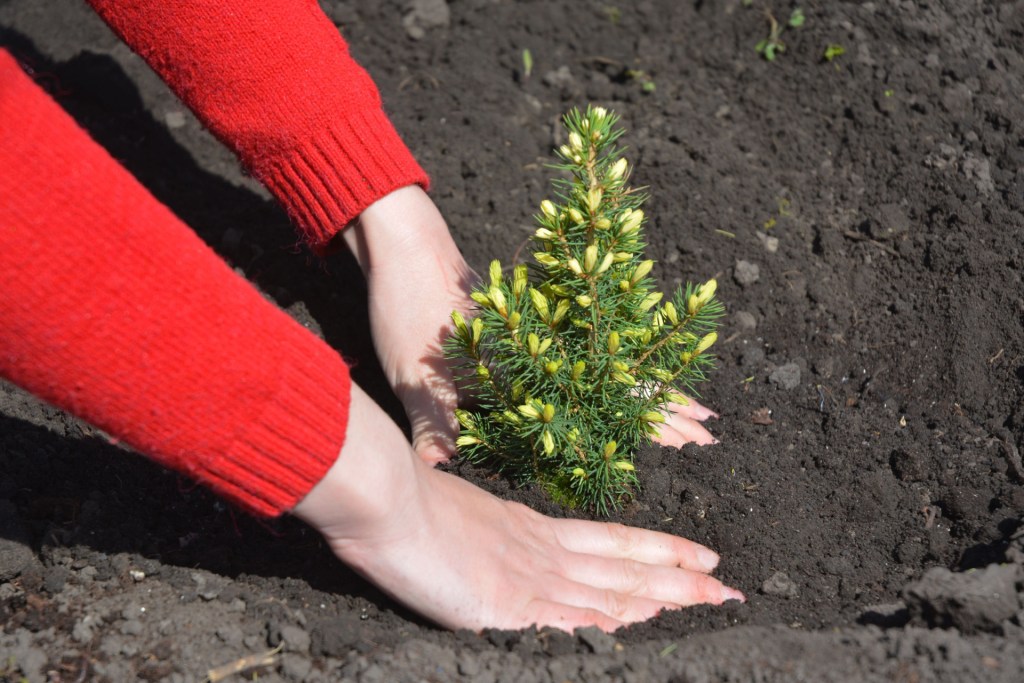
(274, 81)
(112, 309)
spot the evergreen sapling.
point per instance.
(575, 360)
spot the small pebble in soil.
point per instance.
(889, 220)
(744, 321)
(425, 15)
(786, 376)
(560, 78)
(746, 273)
(174, 119)
(771, 244)
(780, 584)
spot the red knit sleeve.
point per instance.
(273, 80)
(111, 308)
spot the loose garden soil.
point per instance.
(865, 219)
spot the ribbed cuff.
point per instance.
(288, 449)
(334, 174)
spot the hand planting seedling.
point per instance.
(575, 361)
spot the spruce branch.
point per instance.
(576, 358)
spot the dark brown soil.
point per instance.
(865, 219)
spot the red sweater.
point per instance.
(112, 309)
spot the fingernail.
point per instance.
(715, 442)
(707, 559)
(705, 413)
(732, 594)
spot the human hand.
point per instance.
(466, 559)
(416, 277)
(683, 425)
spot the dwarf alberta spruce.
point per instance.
(575, 360)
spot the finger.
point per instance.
(619, 606)
(566, 617)
(431, 413)
(666, 585)
(692, 410)
(679, 431)
(433, 452)
(642, 545)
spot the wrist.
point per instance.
(375, 474)
(402, 226)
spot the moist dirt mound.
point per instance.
(864, 216)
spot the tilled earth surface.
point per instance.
(865, 218)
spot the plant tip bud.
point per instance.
(671, 313)
(549, 442)
(613, 342)
(618, 170)
(498, 299)
(649, 301)
(577, 369)
(530, 411)
(519, 279)
(560, 310)
(533, 344)
(706, 343)
(460, 323)
(545, 259)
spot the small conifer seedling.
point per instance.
(576, 359)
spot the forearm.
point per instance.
(112, 309)
(275, 82)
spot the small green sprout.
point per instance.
(834, 50)
(527, 63)
(772, 46)
(889, 93)
(647, 84)
(613, 13)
